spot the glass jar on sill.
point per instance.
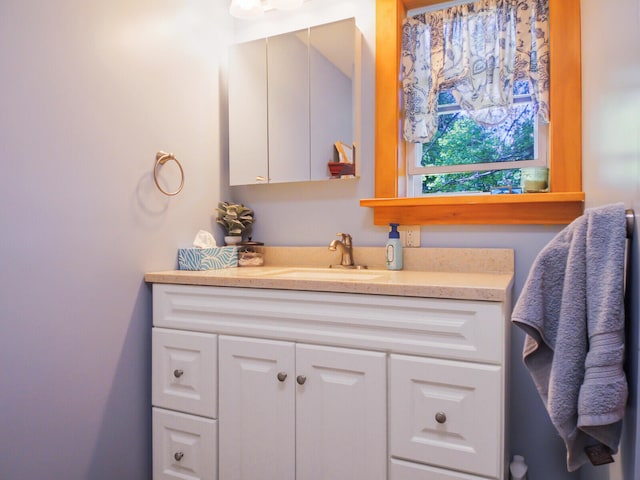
(534, 179)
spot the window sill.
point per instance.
(526, 208)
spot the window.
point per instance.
(468, 157)
(564, 203)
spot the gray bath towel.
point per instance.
(572, 309)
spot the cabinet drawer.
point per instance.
(401, 470)
(447, 413)
(184, 371)
(184, 446)
(466, 330)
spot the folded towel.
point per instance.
(572, 309)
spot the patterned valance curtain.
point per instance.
(477, 50)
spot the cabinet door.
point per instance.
(257, 431)
(288, 112)
(446, 413)
(248, 146)
(184, 371)
(331, 94)
(184, 446)
(340, 414)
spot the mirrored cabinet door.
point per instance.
(332, 73)
(288, 94)
(248, 113)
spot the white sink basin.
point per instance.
(324, 274)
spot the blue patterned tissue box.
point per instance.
(207, 258)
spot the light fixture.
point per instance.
(245, 8)
(255, 8)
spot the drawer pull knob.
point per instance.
(178, 373)
(178, 456)
(441, 417)
(301, 379)
(282, 376)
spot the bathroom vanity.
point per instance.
(286, 373)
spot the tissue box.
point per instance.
(207, 258)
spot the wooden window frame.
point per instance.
(561, 205)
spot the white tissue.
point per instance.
(204, 240)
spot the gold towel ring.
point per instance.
(161, 159)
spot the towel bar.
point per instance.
(631, 220)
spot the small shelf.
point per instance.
(526, 208)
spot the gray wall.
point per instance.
(89, 93)
(311, 214)
(611, 122)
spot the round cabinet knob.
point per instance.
(178, 373)
(301, 379)
(178, 456)
(441, 417)
(282, 376)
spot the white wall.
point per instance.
(89, 92)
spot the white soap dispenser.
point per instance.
(394, 249)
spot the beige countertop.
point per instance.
(467, 274)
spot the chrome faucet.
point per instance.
(345, 247)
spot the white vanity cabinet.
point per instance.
(327, 386)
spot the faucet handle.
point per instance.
(346, 238)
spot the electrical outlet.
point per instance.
(413, 236)
(409, 235)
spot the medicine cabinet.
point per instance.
(291, 98)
